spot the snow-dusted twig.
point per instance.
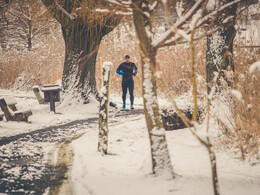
(168, 35)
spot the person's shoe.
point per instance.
(123, 106)
(132, 107)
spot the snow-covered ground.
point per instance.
(127, 168)
(42, 117)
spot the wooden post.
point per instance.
(52, 103)
(104, 110)
(52, 95)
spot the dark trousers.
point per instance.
(130, 85)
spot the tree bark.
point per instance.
(104, 110)
(29, 38)
(219, 54)
(82, 36)
(161, 162)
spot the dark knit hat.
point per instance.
(127, 57)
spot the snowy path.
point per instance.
(24, 158)
(127, 170)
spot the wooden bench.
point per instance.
(1, 116)
(13, 114)
(36, 91)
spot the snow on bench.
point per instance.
(11, 102)
(13, 114)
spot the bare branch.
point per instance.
(161, 42)
(64, 11)
(169, 33)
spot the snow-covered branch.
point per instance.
(167, 38)
(179, 23)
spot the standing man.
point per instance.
(127, 69)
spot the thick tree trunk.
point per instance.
(219, 55)
(81, 48)
(82, 36)
(161, 162)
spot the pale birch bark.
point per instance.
(161, 162)
(104, 110)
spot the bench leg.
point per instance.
(22, 116)
(5, 110)
(13, 107)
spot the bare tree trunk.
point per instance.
(161, 162)
(29, 38)
(219, 55)
(82, 36)
(104, 110)
(213, 163)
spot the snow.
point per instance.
(50, 88)
(127, 167)
(10, 101)
(237, 94)
(255, 67)
(127, 170)
(42, 117)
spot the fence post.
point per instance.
(104, 109)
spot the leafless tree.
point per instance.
(28, 24)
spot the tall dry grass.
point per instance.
(245, 136)
(23, 69)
